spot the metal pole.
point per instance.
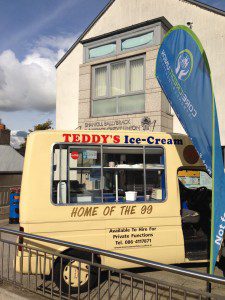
(116, 183)
(208, 283)
(129, 258)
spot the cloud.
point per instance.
(17, 138)
(30, 84)
(55, 42)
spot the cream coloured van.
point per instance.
(144, 194)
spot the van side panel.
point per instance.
(149, 230)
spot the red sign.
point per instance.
(91, 138)
(74, 155)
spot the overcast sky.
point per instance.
(34, 34)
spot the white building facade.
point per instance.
(107, 78)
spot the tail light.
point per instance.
(20, 239)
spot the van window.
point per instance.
(95, 174)
(194, 179)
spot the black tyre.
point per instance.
(70, 275)
(221, 264)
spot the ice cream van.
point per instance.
(144, 194)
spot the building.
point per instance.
(107, 78)
(11, 162)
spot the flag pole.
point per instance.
(181, 43)
(211, 264)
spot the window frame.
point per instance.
(93, 96)
(191, 168)
(128, 91)
(99, 45)
(101, 146)
(156, 29)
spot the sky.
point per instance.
(34, 34)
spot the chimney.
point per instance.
(4, 134)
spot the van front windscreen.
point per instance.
(94, 174)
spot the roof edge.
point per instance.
(193, 2)
(162, 20)
(85, 32)
(206, 7)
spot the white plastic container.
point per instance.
(131, 196)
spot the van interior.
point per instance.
(94, 174)
(196, 197)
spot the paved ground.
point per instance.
(8, 291)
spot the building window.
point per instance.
(107, 174)
(100, 82)
(136, 75)
(122, 42)
(137, 41)
(102, 50)
(118, 78)
(118, 87)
